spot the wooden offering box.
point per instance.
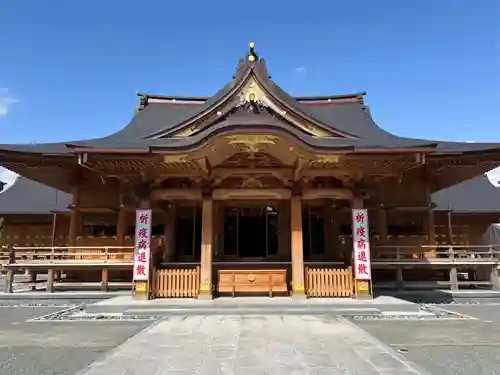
(252, 281)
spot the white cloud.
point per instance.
(6, 101)
(301, 70)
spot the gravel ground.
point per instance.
(468, 347)
(55, 348)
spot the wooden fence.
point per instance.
(329, 282)
(177, 283)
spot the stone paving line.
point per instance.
(273, 344)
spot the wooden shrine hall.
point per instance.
(251, 190)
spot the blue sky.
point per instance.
(69, 69)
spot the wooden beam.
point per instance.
(241, 193)
(327, 194)
(300, 163)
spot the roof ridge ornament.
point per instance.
(252, 56)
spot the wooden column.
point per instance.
(328, 231)
(495, 282)
(75, 223)
(121, 227)
(104, 279)
(284, 244)
(431, 232)
(297, 253)
(54, 230)
(169, 234)
(9, 281)
(50, 281)
(337, 245)
(382, 225)
(218, 230)
(206, 249)
(454, 278)
(75, 229)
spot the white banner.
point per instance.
(361, 245)
(142, 247)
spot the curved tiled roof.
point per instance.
(25, 196)
(159, 115)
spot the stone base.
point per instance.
(142, 297)
(205, 297)
(298, 295)
(364, 297)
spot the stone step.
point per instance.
(247, 311)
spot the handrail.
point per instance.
(70, 247)
(61, 255)
(435, 246)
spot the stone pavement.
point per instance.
(273, 344)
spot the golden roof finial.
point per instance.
(252, 56)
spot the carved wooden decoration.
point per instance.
(175, 158)
(327, 159)
(251, 143)
(252, 98)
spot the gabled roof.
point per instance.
(25, 196)
(477, 195)
(343, 121)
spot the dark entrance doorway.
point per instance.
(251, 231)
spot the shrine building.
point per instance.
(253, 189)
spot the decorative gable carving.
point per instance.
(252, 98)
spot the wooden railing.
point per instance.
(328, 282)
(435, 255)
(39, 256)
(176, 282)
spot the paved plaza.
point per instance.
(255, 345)
(54, 348)
(235, 343)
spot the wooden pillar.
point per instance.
(449, 229)
(206, 249)
(169, 234)
(54, 230)
(400, 282)
(9, 281)
(50, 281)
(284, 244)
(431, 233)
(297, 253)
(33, 274)
(75, 218)
(121, 227)
(218, 230)
(328, 231)
(33, 277)
(454, 278)
(382, 225)
(495, 282)
(104, 279)
(337, 247)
